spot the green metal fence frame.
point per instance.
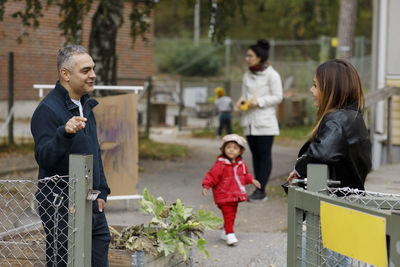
(301, 200)
(80, 210)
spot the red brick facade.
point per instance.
(35, 57)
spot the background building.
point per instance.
(35, 58)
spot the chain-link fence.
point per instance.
(26, 222)
(193, 73)
(39, 224)
(295, 60)
(310, 227)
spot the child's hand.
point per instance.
(204, 193)
(256, 183)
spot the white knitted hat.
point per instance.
(233, 138)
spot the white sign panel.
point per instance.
(193, 95)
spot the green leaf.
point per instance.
(157, 221)
(186, 240)
(159, 206)
(181, 249)
(146, 194)
(186, 253)
(208, 220)
(187, 213)
(165, 243)
(113, 232)
(147, 206)
(201, 247)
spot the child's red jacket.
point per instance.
(227, 180)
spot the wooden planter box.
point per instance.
(31, 252)
(123, 258)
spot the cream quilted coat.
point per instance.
(266, 88)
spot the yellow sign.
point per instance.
(354, 234)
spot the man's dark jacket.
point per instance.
(53, 145)
(342, 142)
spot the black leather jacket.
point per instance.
(343, 144)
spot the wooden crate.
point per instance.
(124, 258)
(22, 253)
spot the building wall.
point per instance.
(35, 57)
(393, 64)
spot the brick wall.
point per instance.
(35, 57)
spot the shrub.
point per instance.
(173, 228)
(180, 56)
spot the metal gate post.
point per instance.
(394, 256)
(294, 229)
(317, 179)
(80, 210)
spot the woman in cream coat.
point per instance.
(261, 93)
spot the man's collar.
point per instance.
(71, 105)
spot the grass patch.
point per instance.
(293, 136)
(299, 132)
(289, 135)
(204, 133)
(6, 149)
(211, 133)
(149, 149)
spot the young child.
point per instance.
(224, 108)
(227, 178)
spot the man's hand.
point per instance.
(75, 124)
(292, 175)
(101, 204)
(256, 183)
(204, 192)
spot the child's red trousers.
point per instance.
(229, 210)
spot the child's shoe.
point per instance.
(223, 236)
(231, 239)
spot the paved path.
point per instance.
(261, 226)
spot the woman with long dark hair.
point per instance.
(261, 93)
(339, 137)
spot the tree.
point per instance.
(270, 19)
(346, 28)
(105, 23)
(102, 43)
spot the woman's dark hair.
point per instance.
(339, 86)
(261, 49)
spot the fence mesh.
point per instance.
(34, 224)
(310, 250)
(376, 200)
